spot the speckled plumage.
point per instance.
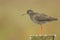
(40, 18)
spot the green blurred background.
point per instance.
(14, 26)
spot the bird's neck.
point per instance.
(31, 14)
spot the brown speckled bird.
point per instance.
(40, 18)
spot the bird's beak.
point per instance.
(23, 14)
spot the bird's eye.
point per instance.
(29, 11)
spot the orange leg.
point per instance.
(41, 29)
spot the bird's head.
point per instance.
(29, 11)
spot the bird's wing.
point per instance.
(41, 17)
(44, 17)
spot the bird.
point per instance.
(40, 18)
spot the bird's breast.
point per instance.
(32, 17)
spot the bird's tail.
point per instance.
(53, 19)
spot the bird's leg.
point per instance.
(41, 29)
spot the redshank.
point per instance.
(40, 18)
